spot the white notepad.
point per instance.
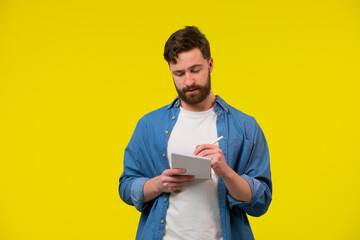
(200, 167)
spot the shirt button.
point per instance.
(163, 154)
(162, 221)
(173, 118)
(166, 132)
(165, 199)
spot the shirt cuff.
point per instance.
(254, 186)
(137, 196)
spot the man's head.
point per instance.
(185, 40)
(187, 52)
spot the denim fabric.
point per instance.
(245, 150)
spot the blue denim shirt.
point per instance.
(245, 150)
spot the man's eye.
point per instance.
(179, 74)
(195, 70)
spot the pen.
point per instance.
(217, 140)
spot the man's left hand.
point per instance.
(218, 163)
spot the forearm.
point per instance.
(238, 187)
(151, 189)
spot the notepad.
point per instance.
(200, 167)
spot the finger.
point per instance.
(183, 179)
(174, 171)
(203, 147)
(175, 184)
(208, 152)
(178, 179)
(170, 187)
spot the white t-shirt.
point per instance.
(193, 213)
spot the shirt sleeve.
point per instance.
(258, 175)
(132, 179)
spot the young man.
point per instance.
(178, 206)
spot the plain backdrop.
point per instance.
(75, 77)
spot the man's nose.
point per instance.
(189, 81)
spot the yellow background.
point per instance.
(75, 76)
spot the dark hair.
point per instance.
(185, 40)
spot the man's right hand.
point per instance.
(168, 181)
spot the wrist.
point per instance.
(158, 186)
(151, 189)
(228, 174)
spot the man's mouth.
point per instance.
(191, 90)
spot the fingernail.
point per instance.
(184, 170)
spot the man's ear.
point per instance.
(211, 64)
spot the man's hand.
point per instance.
(218, 163)
(237, 186)
(168, 181)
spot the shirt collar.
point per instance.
(222, 103)
(219, 101)
(176, 103)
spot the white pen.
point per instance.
(217, 140)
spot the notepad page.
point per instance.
(200, 167)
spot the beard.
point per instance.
(191, 99)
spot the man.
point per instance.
(176, 206)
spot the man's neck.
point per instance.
(208, 103)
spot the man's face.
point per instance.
(191, 76)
